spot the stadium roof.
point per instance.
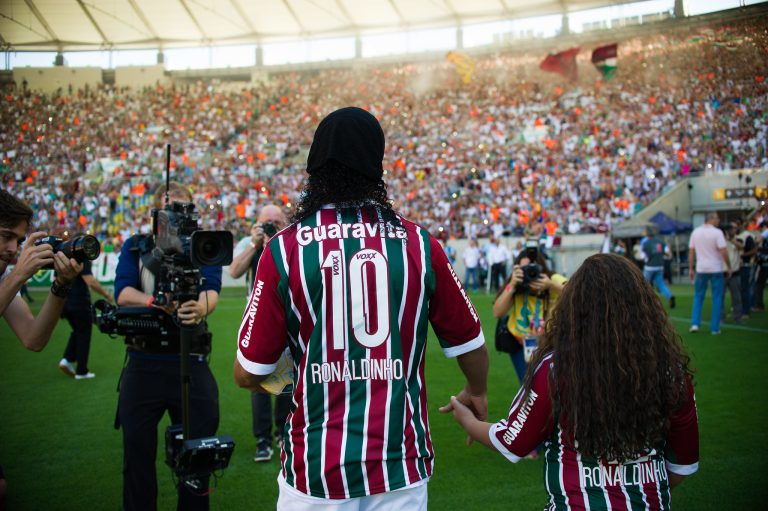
(67, 25)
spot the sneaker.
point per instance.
(263, 452)
(694, 329)
(86, 376)
(67, 367)
(716, 332)
(672, 302)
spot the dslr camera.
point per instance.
(532, 271)
(81, 248)
(269, 228)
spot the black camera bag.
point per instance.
(504, 340)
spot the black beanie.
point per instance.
(350, 136)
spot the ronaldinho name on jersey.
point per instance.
(363, 369)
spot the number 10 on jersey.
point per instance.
(366, 282)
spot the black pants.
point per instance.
(150, 387)
(261, 405)
(79, 345)
(498, 271)
(762, 277)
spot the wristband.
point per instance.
(59, 289)
(508, 288)
(151, 300)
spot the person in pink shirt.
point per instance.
(707, 261)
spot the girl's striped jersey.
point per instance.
(350, 294)
(575, 482)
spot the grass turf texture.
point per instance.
(59, 450)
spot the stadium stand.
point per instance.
(515, 150)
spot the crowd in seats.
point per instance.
(516, 150)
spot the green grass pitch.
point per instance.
(60, 452)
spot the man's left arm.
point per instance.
(457, 326)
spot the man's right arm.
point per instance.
(31, 258)
(242, 261)
(9, 288)
(35, 332)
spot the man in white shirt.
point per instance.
(471, 257)
(707, 260)
(498, 257)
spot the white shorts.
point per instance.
(413, 498)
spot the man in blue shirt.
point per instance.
(653, 251)
(151, 381)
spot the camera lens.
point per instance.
(211, 248)
(90, 247)
(82, 248)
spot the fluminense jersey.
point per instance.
(351, 294)
(575, 482)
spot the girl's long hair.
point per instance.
(619, 366)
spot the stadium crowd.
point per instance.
(516, 150)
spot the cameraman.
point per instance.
(527, 303)
(33, 332)
(246, 258)
(151, 382)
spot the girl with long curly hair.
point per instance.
(609, 391)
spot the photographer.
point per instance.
(77, 311)
(33, 332)
(150, 383)
(527, 301)
(247, 254)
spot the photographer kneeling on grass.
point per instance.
(609, 392)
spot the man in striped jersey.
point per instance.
(349, 288)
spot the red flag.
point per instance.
(604, 53)
(563, 63)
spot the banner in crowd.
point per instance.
(563, 63)
(604, 59)
(465, 65)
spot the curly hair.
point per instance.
(335, 183)
(620, 368)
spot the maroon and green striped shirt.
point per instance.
(576, 482)
(351, 295)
